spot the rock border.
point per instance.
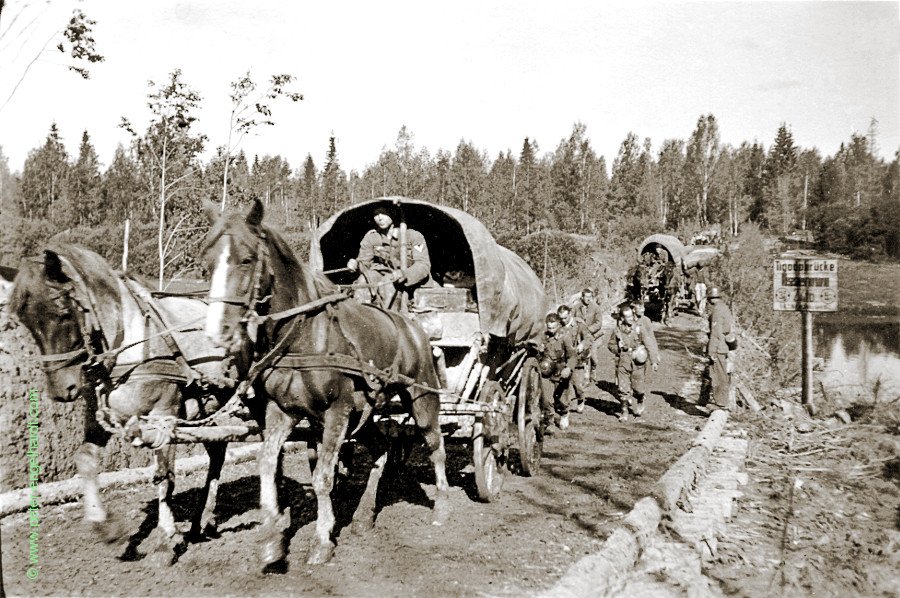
(598, 574)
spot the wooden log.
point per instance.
(198, 434)
(69, 490)
(747, 395)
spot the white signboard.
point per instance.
(805, 284)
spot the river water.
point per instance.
(861, 357)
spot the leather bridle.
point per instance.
(251, 299)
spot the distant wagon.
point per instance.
(483, 318)
(668, 248)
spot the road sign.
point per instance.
(805, 284)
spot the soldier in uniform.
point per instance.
(379, 260)
(558, 361)
(579, 337)
(674, 282)
(588, 313)
(632, 342)
(722, 340)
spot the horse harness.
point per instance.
(101, 368)
(279, 357)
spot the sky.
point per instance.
(488, 72)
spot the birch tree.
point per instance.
(250, 109)
(169, 150)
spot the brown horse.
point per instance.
(317, 367)
(78, 309)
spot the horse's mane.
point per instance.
(90, 266)
(316, 283)
(98, 280)
(319, 281)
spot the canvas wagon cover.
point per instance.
(688, 256)
(511, 300)
(671, 244)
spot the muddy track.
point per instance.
(592, 475)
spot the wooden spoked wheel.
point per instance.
(489, 457)
(528, 418)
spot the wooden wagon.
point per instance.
(484, 313)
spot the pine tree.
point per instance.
(8, 191)
(44, 177)
(333, 178)
(121, 188)
(467, 177)
(671, 180)
(627, 177)
(528, 204)
(85, 185)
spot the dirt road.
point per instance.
(592, 474)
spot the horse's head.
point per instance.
(237, 256)
(44, 301)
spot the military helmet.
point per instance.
(640, 355)
(547, 367)
(731, 341)
(713, 293)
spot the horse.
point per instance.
(328, 359)
(102, 335)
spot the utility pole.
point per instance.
(805, 190)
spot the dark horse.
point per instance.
(79, 312)
(255, 273)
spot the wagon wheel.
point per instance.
(489, 454)
(528, 416)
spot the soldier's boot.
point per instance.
(564, 421)
(638, 407)
(626, 405)
(547, 423)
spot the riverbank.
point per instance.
(866, 291)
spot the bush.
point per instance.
(744, 273)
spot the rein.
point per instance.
(82, 313)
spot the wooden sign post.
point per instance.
(805, 283)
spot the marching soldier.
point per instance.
(558, 361)
(722, 341)
(632, 342)
(674, 282)
(588, 313)
(379, 260)
(581, 338)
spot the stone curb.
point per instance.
(52, 493)
(599, 573)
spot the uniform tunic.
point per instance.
(559, 349)
(623, 341)
(579, 333)
(592, 317)
(380, 254)
(721, 324)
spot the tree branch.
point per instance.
(27, 68)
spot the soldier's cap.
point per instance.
(713, 293)
(386, 210)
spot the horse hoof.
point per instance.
(441, 513)
(321, 554)
(362, 524)
(278, 567)
(273, 551)
(167, 551)
(208, 530)
(111, 530)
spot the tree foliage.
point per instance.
(848, 199)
